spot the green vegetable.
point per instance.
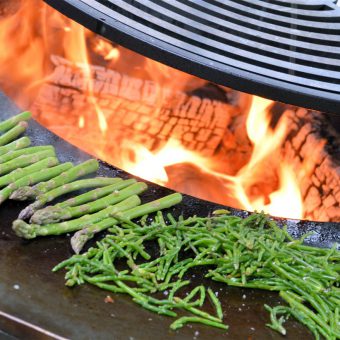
(196, 319)
(55, 214)
(250, 253)
(95, 194)
(13, 133)
(22, 172)
(70, 175)
(18, 144)
(216, 302)
(67, 188)
(33, 178)
(24, 160)
(66, 177)
(13, 121)
(89, 196)
(30, 231)
(80, 238)
(22, 152)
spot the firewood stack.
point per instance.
(138, 111)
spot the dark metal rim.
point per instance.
(219, 73)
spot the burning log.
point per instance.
(306, 147)
(136, 110)
(140, 112)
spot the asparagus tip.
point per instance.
(23, 194)
(47, 215)
(79, 239)
(23, 123)
(26, 213)
(23, 229)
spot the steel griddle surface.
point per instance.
(81, 313)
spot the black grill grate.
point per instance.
(284, 50)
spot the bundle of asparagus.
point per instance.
(35, 173)
(26, 172)
(251, 253)
(126, 209)
(46, 215)
(20, 164)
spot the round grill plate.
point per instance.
(287, 51)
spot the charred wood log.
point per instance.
(314, 145)
(136, 110)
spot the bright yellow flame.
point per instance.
(106, 50)
(147, 166)
(113, 54)
(81, 122)
(256, 128)
(139, 161)
(265, 140)
(287, 201)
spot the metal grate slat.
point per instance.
(284, 50)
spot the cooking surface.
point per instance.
(80, 313)
(283, 50)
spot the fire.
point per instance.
(266, 182)
(286, 201)
(106, 50)
(139, 161)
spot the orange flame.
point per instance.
(106, 50)
(267, 144)
(287, 200)
(37, 28)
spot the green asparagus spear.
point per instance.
(70, 175)
(77, 243)
(18, 144)
(11, 122)
(35, 177)
(92, 195)
(67, 188)
(53, 214)
(21, 172)
(30, 231)
(24, 152)
(79, 239)
(25, 160)
(13, 133)
(95, 194)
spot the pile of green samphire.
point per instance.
(250, 252)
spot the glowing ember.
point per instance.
(106, 50)
(262, 181)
